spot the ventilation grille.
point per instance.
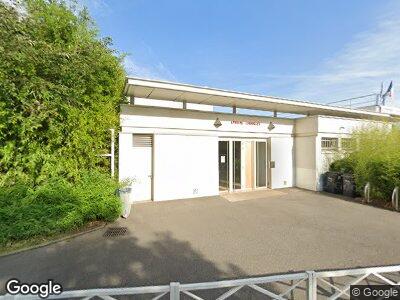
(142, 140)
(115, 231)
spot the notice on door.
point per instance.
(223, 159)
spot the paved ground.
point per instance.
(213, 238)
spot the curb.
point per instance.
(54, 241)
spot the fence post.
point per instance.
(395, 198)
(311, 286)
(174, 292)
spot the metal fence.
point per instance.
(310, 285)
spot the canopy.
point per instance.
(164, 90)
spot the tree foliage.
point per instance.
(60, 89)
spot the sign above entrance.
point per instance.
(255, 123)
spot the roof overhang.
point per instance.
(163, 90)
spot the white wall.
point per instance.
(185, 166)
(168, 120)
(305, 152)
(282, 154)
(306, 126)
(343, 126)
(305, 165)
(185, 154)
(125, 159)
(126, 162)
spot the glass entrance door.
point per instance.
(261, 164)
(237, 165)
(247, 163)
(223, 162)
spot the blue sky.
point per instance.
(316, 50)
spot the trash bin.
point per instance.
(323, 181)
(349, 185)
(334, 183)
(124, 194)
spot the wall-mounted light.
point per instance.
(271, 126)
(217, 123)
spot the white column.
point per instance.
(112, 154)
(230, 145)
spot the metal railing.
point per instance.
(357, 102)
(310, 285)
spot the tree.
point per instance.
(60, 89)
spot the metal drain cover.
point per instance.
(115, 231)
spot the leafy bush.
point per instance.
(56, 206)
(375, 158)
(342, 165)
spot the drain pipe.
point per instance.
(366, 192)
(395, 198)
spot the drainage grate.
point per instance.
(115, 231)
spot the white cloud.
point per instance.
(372, 57)
(19, 7)
(96, 7)
(150, 71)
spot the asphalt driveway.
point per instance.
(217, 237)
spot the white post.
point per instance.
(311, 286)
(395, 198)
(366, 192)
(112, 153)
(174, 291)
(231, 165)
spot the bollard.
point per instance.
(366, 192)
(395, 198)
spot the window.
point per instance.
(329, 143)
(347, 143)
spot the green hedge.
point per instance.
(375, 158)
(56, 206)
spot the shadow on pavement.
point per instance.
(94, 261)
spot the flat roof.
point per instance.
(165, 90)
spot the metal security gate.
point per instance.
(310, 285)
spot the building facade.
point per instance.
(173, 145)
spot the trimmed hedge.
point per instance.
(57, 206)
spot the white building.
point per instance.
(173, 145)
